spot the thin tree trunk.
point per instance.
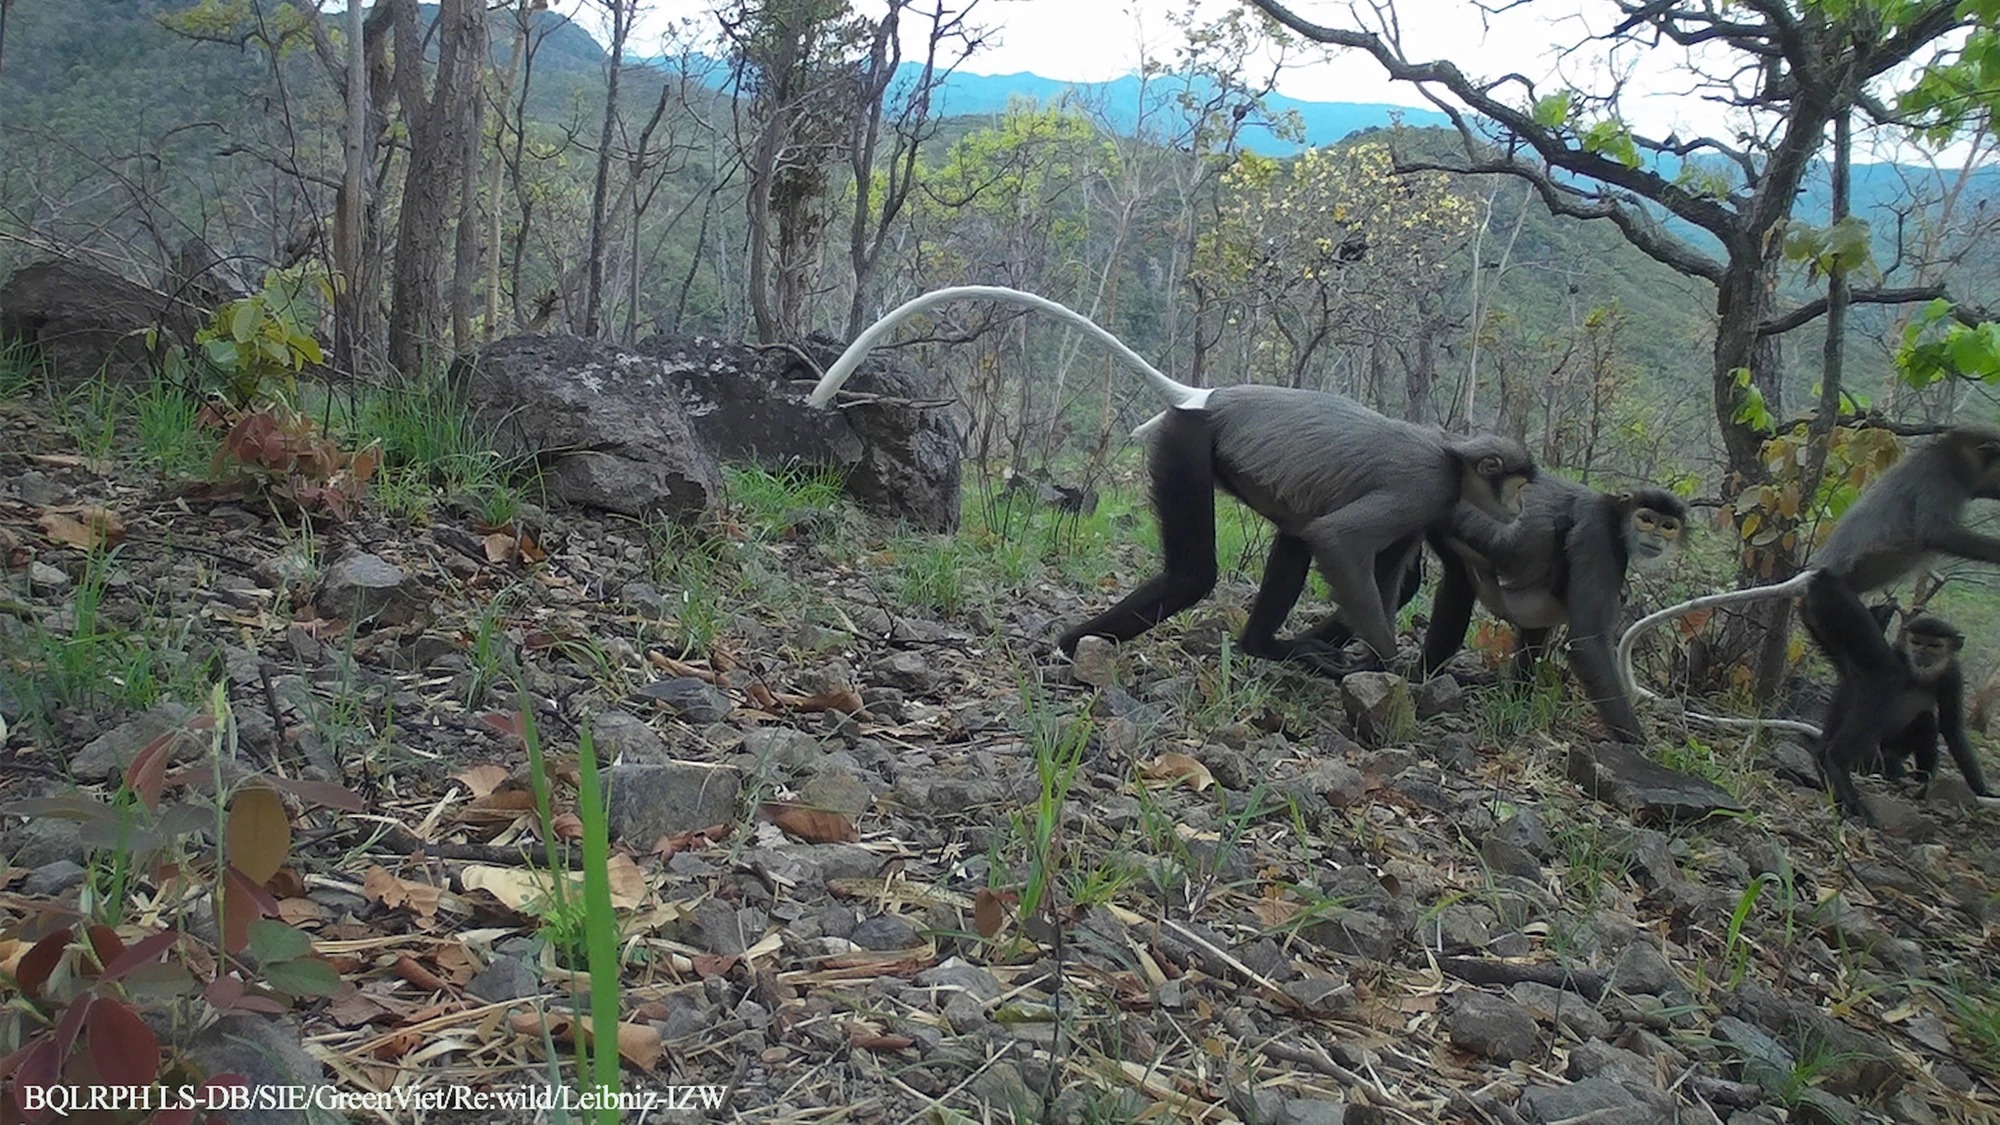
(593, 290)
(351, 210)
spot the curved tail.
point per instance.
(1176, 394)
(1790, 588)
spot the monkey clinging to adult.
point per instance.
(1347, 488)
(1562, 562)
(1928, 706)
(1913, 511)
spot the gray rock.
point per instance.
(688, 699)
(1525, 829)
(85, 318)
(650, 801)
(620, 736)
(265, 1052)
(913, 672)
(33, 486)
(1562, 1009)
(52, 879)
(1508, 858)
(1594, 1059)
(1463, 928)
(1321, 996)
(955, 975)
(898, 448)
(728, 930)
(1760, 1060)
(506, 978)
(47, 580)
(1642, 968)
(107, 755)
(1792, 762)
(608, 424)
(1624, 778)
(884, 932)
(1439, 695)
(1095, 663)
(1317, 1111)
(1379, 705)
(782, 748)
(1594, 1101)
(1815, 1106)
(1489, 1026)
(365, 589)
(838, 789)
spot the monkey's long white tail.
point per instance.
(1176, 394)
(1789, 588)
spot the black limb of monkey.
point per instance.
(1347, 489)
(1561, 562)
(1913, 511)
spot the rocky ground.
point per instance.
(1262, 896)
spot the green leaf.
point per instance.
(272, 940)
(1551, 112)
(244, 318)
(302, 976)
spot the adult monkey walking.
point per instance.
(1346, 488)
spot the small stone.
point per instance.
(782, 748)
(1378, 703)
(108, 754)
(913, 672)
(1642, 968)
(837, 789)
(1509, 858)
(651, 801)
(52, 879)
(364, 588)
(620, 736)
(265, 1053)
(45, 579)
(1489, 1026)
(689, 699)
(884, 932)
(1625, 778)
(1592, 1101)
(1439, 695)
(1321, 996)
(507, 978)
(1095, 663)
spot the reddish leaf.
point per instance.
(505, 722)
(243, 902)
(146, 952)
(124, 1049)
(814, 826)
(71, 1025)
(147, 775)
(105, 942)
(36, 964)
(323, 793)
(988, 912)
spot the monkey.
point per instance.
(1562, 561)
(1910, 513)
(1346, 488)
(1928, 706)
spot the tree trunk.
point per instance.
(351, 207)
(437, 127)
(593, 291)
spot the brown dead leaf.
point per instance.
(354, 1008)
(482, 779)
(638, 1044)
(882, 1042)
(814, 826)
(566, 826)
(1275, 912)
(83, 527)
(1691, 624)
(711, 965)
(761, 697)
(989, 912)
(1175, 766)
(844, 700)
(501, 548)
(674, 667)
(628, 883)
(410, 970)
(419, 899)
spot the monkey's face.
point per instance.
(1929, 654)
(1652, 536)
(1488, 486)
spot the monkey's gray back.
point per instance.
(1295, 455)
(1881, 537)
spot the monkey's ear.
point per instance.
(1491, 465)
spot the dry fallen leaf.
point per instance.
(814, 826)
(85, 528)
(482, 779)
(1176, 766)
(844, 700)
(379, 884)
(501, 548)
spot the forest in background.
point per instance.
(799, 182)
